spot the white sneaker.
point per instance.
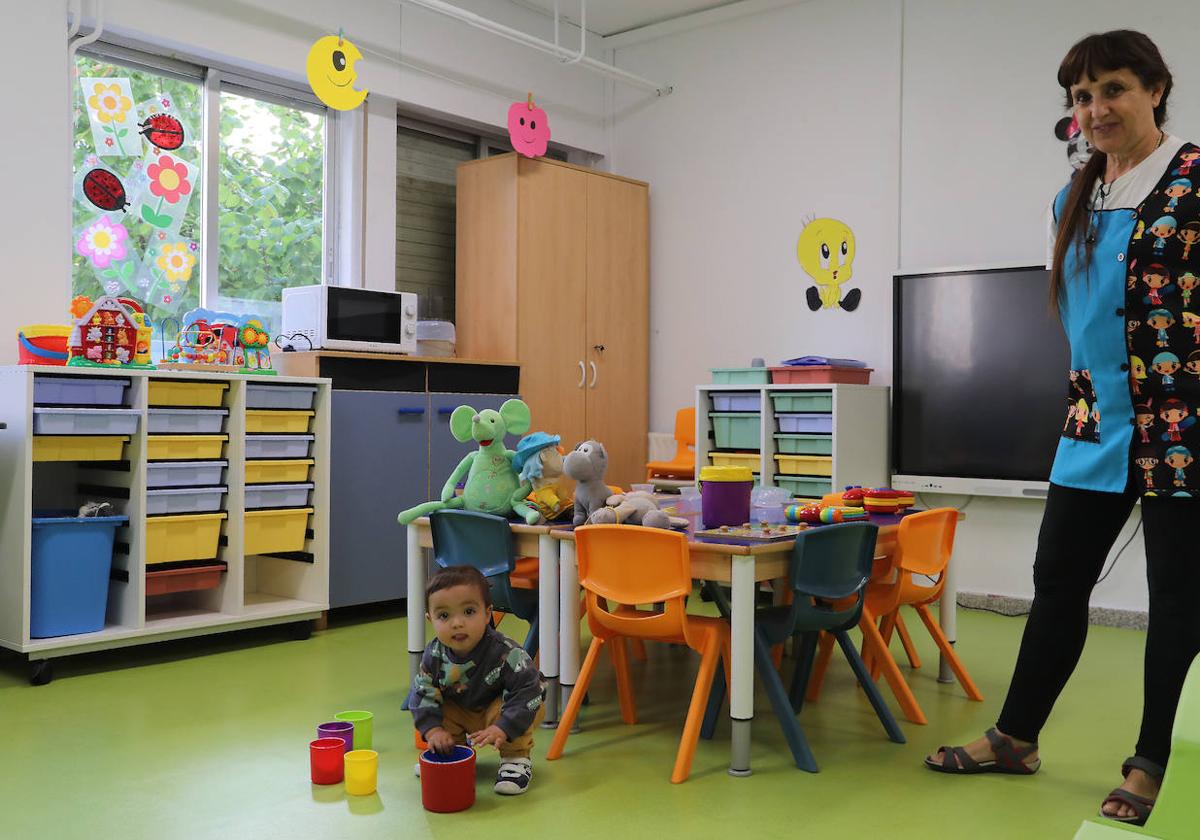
(417, 769)
(514, 775)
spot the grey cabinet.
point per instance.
(379, 464)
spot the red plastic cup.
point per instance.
(448, 781)
(326, 757)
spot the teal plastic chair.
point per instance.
(830, 565)
(485, 541)
(1176, 814)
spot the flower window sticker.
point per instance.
(164, 189)
(106, 245)
(168, 267)
(113, 118)
(161, 127)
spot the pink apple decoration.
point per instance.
(528, 128)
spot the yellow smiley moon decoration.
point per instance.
(330, 70)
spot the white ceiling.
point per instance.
(610, 17)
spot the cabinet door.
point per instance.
(552, 296)
(444, 451)
(379, 465)
(618, 323)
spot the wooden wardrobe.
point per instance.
(553, 272)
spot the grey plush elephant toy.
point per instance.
(586, 465)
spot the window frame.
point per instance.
(212, 77)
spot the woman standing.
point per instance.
(1115, 256)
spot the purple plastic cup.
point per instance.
(338, 729)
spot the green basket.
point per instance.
(800, 401)
(804, 486)
(803, 444)
(737, 429)
(741, 376)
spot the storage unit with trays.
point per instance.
(806, 439)
(167, 450)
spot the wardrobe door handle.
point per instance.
(582, 374)
(595, 374)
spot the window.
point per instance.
(136, 214)
(140, 202)
(270, 209)
(427, 159)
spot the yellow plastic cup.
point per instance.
(364, 726)
(362, 772)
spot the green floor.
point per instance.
(207, 739)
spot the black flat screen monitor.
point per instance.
(980, 377)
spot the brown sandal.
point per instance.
(1141, 805)
(1009, 758)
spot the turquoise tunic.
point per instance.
(1134, 331)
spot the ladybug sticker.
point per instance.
(105, 190)
(163, 130)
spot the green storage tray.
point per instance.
(741, 376)
(803, 444)
(803, 486)
(736, 429)
(795, 401)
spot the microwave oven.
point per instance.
(343, 318)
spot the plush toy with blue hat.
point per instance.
(539, 462)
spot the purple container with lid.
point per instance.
(725, 495)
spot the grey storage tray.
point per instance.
(198, 421)
(277, 495)
(184, 500)
(85, 421)
(280, 396)
(184, 473)
(78, 390)
(737, 401)
(278, 446)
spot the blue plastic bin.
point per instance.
(70, 563)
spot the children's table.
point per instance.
(741, 563)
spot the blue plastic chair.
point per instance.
(485, 541)
(830, 565)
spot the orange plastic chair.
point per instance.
(633, 565)
(923, 547)
(683, 464)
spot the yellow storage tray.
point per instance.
(277, 422)
(190, 394)
(749, 460)
(805, 464)
(193, 536)
(277, 472)
(269, 531)
(184, 447)
(78, 447)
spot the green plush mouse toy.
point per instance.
(493, 486)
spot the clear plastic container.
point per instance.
(186, 420)
(78, 390)
(299, 397)
(85, 421)
(184, 473)
(767, 505)
(184, 500)
(277, 495)
(278, 446)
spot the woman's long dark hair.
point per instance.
(1095, 54)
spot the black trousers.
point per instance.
(1078, 530)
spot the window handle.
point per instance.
(595, 374)
(582, 374)
(410, 411)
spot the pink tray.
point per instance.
(819, 374)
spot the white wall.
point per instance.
(766, 126)
(798, 110)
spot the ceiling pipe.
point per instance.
(479, 22)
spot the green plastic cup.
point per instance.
(364, 726)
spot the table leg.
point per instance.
(548, 624)
(568, 570)
(741, 693)
(416, 601)
(948, 618)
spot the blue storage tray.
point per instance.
(70, 562)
